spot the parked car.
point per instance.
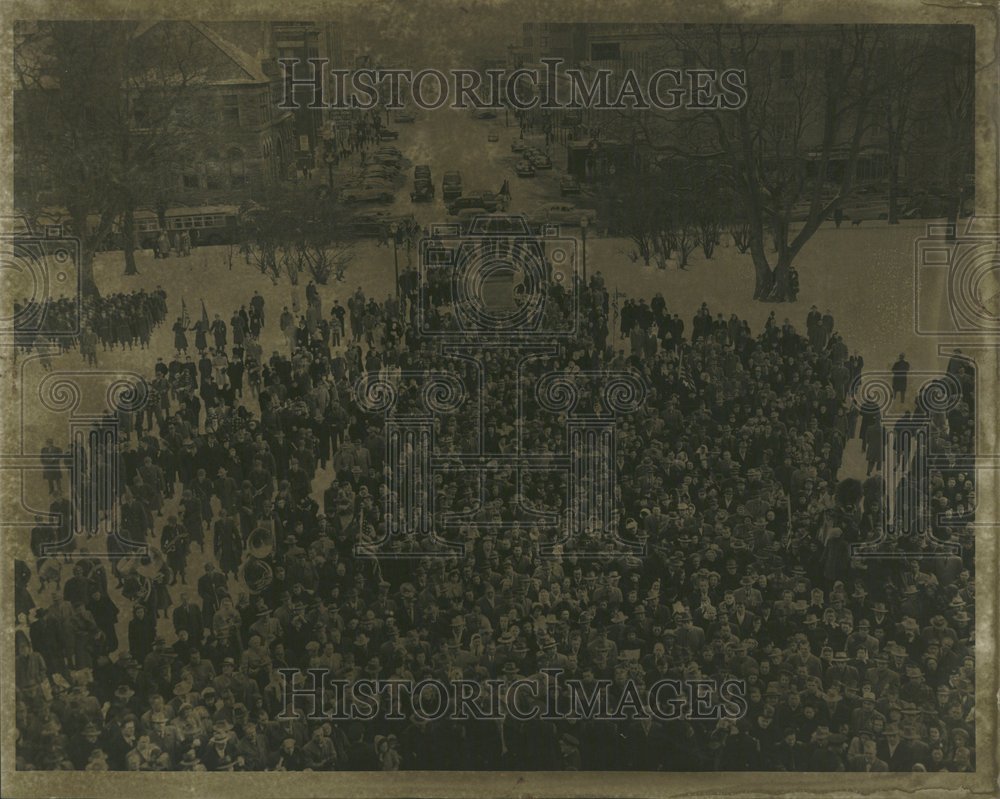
(386, 159)
(391, 150)
(451, 186)
(369, 184)
(421, 171)
(376, 222)
(365, 196)
(518, 146)
(495, 224)
(569, 187)
(383, 171)
(405, 116)
(423, 190)
(493, 137)
(562, 214)
(485, 113)
(388, 134)
(541, 161)
(486, 200)
(524, 169)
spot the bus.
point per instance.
(208, 224)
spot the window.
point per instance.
(190, 179)
(785, 120)
(237, 168)
(787, 64)
(231, 108)
(605, 51)
(213, 171)
(264, 108)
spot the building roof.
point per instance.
(249, 69)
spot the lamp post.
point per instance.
(584, 221)
(393, 228)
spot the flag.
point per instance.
(185, 319)
(204, 314)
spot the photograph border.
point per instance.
(985, 17)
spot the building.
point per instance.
(787, 58)
(246, 142)
(233, 141)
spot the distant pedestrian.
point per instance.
(163, 245)
(900, 371)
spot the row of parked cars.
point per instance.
(378, 181)
(532, 159)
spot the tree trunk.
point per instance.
(780, 279)
(128, 241)
(87, 282)
(764, 279)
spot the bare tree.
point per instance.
(793, 147)
(295, 231)
(96, 111)
(904, 56)
(953, 59)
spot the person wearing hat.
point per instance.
(80, 747)
(190, 762)
(120, 740)
(911, 751)
(220, 754)
(841, 671)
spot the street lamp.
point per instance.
(393, 228)
(584, 221)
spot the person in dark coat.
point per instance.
(873, 446)
(188, 616)
(211, 589)
(141, 633)
(228, 544)
(900, 371)
(105, 615)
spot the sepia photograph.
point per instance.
(427, 399)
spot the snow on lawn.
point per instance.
(863, 275)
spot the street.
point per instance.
(444, 141)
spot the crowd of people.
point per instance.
(89, 322)
(731, 479)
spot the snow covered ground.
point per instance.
(863, 275)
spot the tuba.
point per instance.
(255, 572)
(139, 572)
